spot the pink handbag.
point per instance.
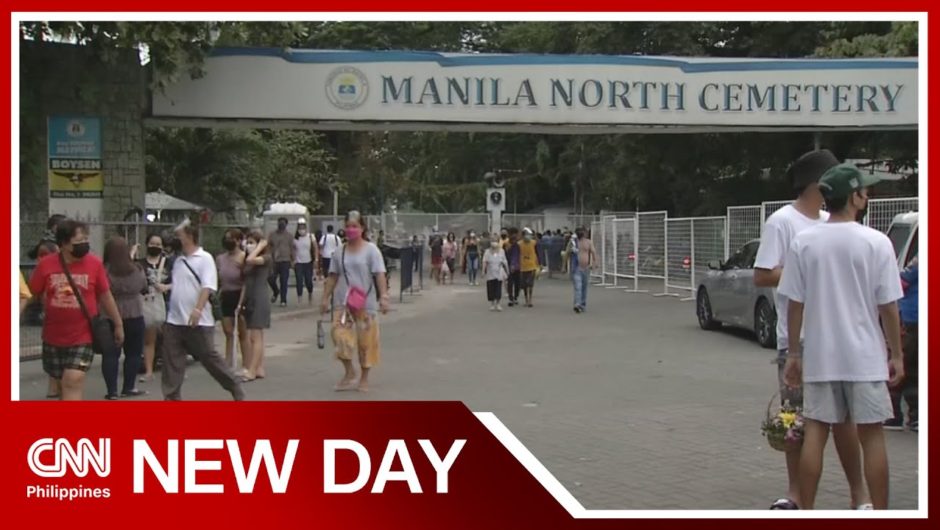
(355, 295)
(355, 299)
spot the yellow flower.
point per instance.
(788, 418)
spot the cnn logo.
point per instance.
(81, 458)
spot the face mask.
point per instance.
(154, 251)
(281, 226)
(353, 234)
(228, 244)
(472, 234)
(79, 250)
(249, 247)
(302, 232)
(527, 237)
(494, 244)
(860, 215)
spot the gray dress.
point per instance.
(257, 305)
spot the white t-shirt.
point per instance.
(779, 230)
(330, 243)
(302, 249)
(842, 272)
(495, 261)
(185, 288)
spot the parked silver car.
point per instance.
(727, 295)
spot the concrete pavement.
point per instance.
(630, 405)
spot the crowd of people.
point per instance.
(160, 304)
(846, 313)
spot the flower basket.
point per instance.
(783, 428)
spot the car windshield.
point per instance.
(898, 234)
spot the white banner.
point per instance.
(579, 90)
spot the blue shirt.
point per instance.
(908, 304)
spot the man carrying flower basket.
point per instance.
(840, 278)
(778, 232)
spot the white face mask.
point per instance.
(494, 244)
(249, 247)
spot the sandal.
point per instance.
(784, 503)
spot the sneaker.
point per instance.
(493, 307)
(283, 304)
(577, 309)
(134, 392)
(866, 506)
(499, 307)
(111, 397)
(913, 425)
(895, 424)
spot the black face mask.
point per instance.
(228, 244)
(860, 215)
(154, 251)
(79, 250)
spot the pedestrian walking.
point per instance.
(128, 283)
(282, 248)
(437, 257)
(72, 283)
(328, 245)
(356, 271)
(255, 304)
(47, 245)
(907, 390)
(495, 270)
(778, 234)
(416, 252)
(584, 258)
(157, 267)
(841, 279)
(529, 264)
(190, 326)
(472, 255)
(450, 250)
(230, 265)
(306, 254)
(514, 282)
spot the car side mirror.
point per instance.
(714, 265)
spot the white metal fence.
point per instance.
(744, 224)
(882, 211)
(651, 245)
(769, 207)
(597, 273)
(678, 255)
(625, 243)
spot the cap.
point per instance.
(527, 230)
(844, 179)
(810, 167)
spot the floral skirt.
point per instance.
(356, 337)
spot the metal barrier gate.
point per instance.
(708, 244)
(882, 211)
(744, 224)
(625, 243)
(651, 245)
(597, 273)
(767, 208)
(678, 255)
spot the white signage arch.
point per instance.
(396, 90)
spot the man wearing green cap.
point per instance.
(778, 232)
(840, 278)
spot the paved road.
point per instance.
(630, 405)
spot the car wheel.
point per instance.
(703, 308)
(765, 324)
